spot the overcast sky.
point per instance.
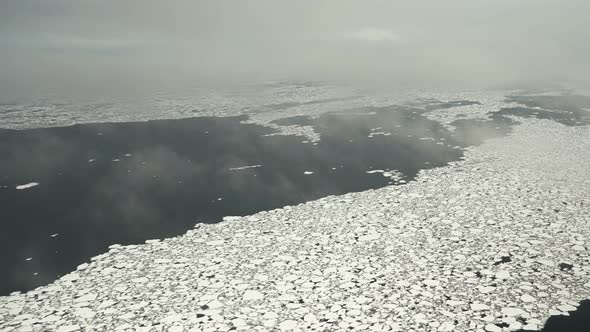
(73, 43)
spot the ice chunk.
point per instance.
(252, 295)
(244, 167)
(27, 186)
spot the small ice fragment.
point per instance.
(26, 186)
(373, 134)
(54, 235)
(375, 171)
(91, 160)
(244, 167)
(128, 155)
(117, 159)
(307, 172)
(220, 198)
(28, 258)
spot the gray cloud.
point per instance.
(75, 44)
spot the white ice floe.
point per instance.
(244, 167)
(308, 172)
(252, 295)
(378, 133)
(27, 186)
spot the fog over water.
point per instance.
(136, 46)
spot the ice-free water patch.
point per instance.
(577, 321)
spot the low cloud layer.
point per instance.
(94, 44)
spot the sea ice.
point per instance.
(244, 167)
(27, 186)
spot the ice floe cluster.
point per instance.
(485, 106)
(496, 242)
(396, 176)
(263, 104)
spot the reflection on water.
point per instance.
(101, 184)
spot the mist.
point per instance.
(124, 46)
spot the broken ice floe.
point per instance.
(27, 186)
(396, 176)
(244, 167)
(378, 133)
